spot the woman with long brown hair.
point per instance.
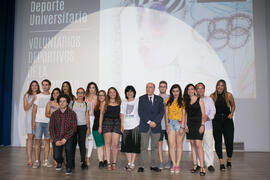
(66, 89)
(51, 107)
(28, 101)
(91, 100)
(110, 125)
(175, 125)
(223, 122)
(195, 126)
(98, 137)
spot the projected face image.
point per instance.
(154, 36)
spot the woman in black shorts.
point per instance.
(110, 125)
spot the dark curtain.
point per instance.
(7, 18)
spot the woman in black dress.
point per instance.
(195, 125)
(223, 122)
(110, 125)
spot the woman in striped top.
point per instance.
(91, 100)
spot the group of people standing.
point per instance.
(96, 115)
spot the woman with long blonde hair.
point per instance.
(223, 122)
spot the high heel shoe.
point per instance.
(222, 167)
(194, 169)
(113, 166)
(202, 171)
(229, 164)
(109, 167)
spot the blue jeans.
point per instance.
(42, 128)
(174, 125)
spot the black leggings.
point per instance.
(223, 126)
(80, 137)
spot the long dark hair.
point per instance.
(70, 94)
(171, 98)
(187, 97)
(55, 89)
(88, 86)
(29, 91)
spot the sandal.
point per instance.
(194, 169)
(109, 167)
(29, 164)
(172, 169)
(113, 166)
(202, 171)
(222, 167)
(229, 164)
(177, 169)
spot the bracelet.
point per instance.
(202, 125)
(182, 127)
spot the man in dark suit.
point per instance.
(151, 111)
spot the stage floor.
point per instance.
(246, 165)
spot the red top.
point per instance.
(63, 125)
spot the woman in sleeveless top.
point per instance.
(50, 108)
(99, 139)
(28, 101)
(52, 104)
(91, 100)
(110, 125)
(223, 122)
(195, 125)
